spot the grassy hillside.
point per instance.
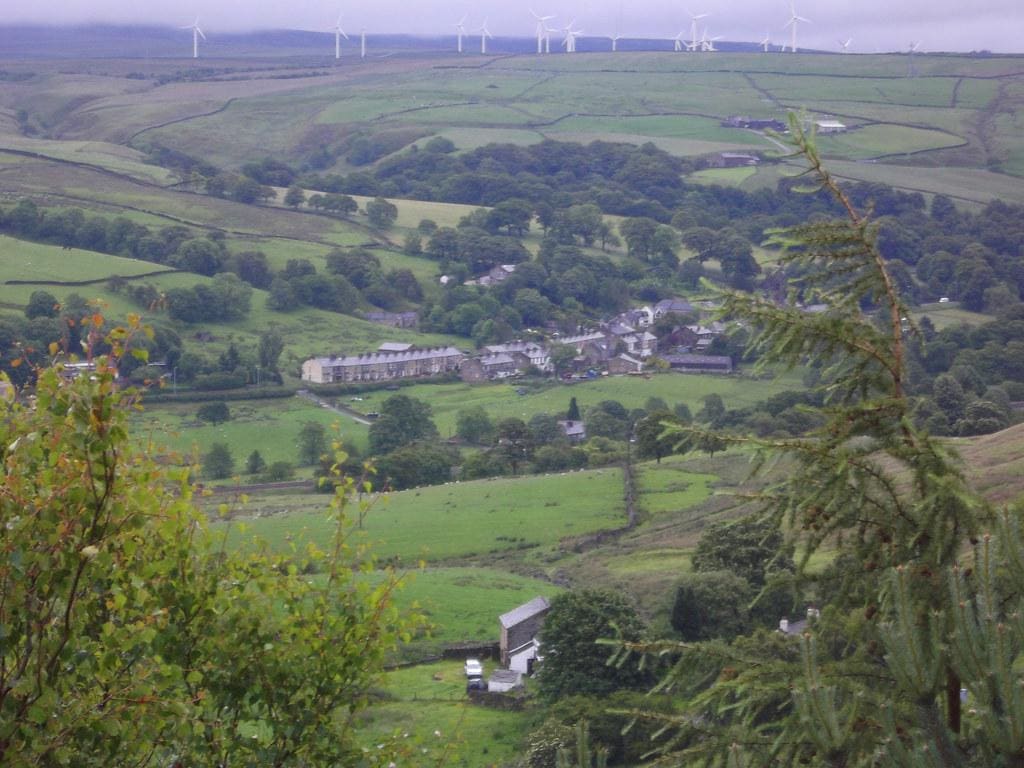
(454, 520)
(995, 463)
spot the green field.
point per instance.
(729, 177)
(426, 710)
(268, 426)
(455, 520)
(23, 260)
(502, 401)
(463, 604)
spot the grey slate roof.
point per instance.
(524, 611)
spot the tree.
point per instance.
(653, 440)
(474, 425)
(381, 213)
(255, 464)
(561, 357)
(135, 635)
(294, 197)
(218, 463)
(514, 442)
(751, 547)
(893, 502)
(269, 350)
(416, 464)
(573, 662)
(214, 412)
(573, 414)
(711, 604)
(312, 442)
(402, 420)
(42, 304)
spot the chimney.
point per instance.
(784, 626)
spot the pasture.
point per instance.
(426, 710)
(463, 604)
(457, 520)
(675, 100)
(501, 400)
(268, 426)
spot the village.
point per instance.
(620, 345)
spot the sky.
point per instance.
(873, 25)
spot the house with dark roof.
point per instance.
(699, 363)
(382, 366)
(519, 630)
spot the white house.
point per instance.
(830, 126)
(502, 680)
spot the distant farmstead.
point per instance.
(700, 363)
(519, 630)
(830, 126)
(382, 366)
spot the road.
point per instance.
(339, 409)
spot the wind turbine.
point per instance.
(694, 18)
(484, 34)
(547, 37)
(766, 43)
(338, 34)
(362, 44)
(615, 41)
(196, 34)
(914, 47)
(845, 45)
(677, 42)
(460, 30)
(542, 31)
(570, 37)
(708, 43)
(794, 20)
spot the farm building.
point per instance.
(733, 160)
(393, 319)
(574, 430)
(382, 366)
(829, 126)
(537, 353)
(497, 365)
(519, 630)
(700, 363)
(625, 364)
(502, 680)
(673, 306)
(752, 123)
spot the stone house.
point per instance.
(519, 630)
(382, 366)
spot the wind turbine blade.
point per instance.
(200, 33)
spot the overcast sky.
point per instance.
(940, 25)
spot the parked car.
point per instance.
(474, 668)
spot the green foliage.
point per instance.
(381, 213)
(218, 463)
(573, 661)
(402, 420)
(278, 471)
(214, 412)
(416, 464)
(132, 636)
(877, 681)
(752, 548)
(312, 442)
(474, 425)
(711, 604)
(254, 463)
(41, 304)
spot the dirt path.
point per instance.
(357, 417)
